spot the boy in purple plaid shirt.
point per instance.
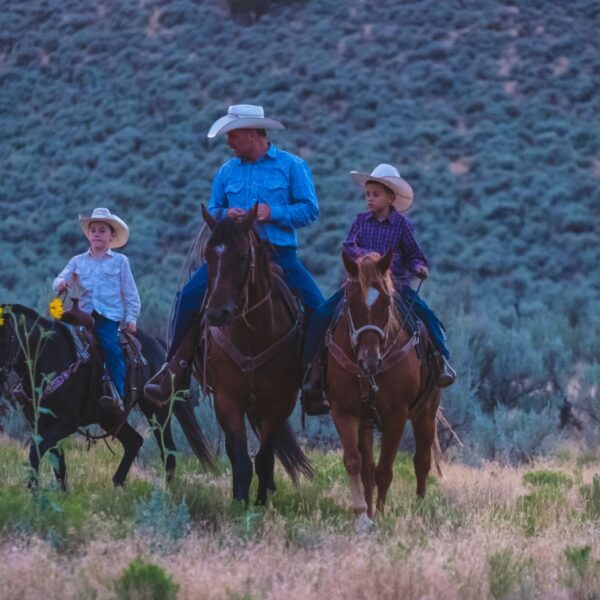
(380, 228)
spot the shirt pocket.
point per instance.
(235, 194)
(110, 276)
(276, 192)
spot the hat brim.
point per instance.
(230, 122)
(403, 193)
(120, 228)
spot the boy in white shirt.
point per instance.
(108, 292)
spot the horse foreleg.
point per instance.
(367, 474)
(60, 467)
(347, 426)
(231, 419)
(49, 438)
(131, 441)
(384, 473)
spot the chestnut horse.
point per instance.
(376, 377)
(252, 341)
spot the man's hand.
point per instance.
(264, 212)
(421, 271)
(131, 327)
(236, 213)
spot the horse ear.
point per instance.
(383, 264)
(208, 218)
(249, 218)
(350, 266)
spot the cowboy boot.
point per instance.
(313, 398)
(110, 402)
(175, 375)
(445, 375)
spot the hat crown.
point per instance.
(246, 111)
(385, 170)
(101, 213)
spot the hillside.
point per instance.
(489, 109)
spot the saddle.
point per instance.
(87, 350)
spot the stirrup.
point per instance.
(446, 374)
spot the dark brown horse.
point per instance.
(252, 348)
(375, 376)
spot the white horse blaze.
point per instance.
(372, 295)
(219, 251)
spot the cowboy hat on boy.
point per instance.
(243, 116)
(103, 215)
(388, 176)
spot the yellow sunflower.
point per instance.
(1, 316)
(56, 308)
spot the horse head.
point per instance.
(370, 307)
(231, 260)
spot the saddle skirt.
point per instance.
(87, 350)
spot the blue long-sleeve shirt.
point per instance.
(279, 179)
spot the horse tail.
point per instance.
(287, 450)
(191, 429)
(438, 455)
(293, 459)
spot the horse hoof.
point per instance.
(363, 525)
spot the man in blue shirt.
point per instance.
(282, 186)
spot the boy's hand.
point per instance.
(131, 327)
(421, 271)
(63, 285)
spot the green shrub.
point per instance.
(145, 581)
(507, 572)
(548, 478)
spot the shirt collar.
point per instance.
(392, 217)
(109, 252)
(270, 153)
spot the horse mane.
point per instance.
(369, 274)
(30, 313)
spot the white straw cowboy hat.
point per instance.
(243, 116)
(104, 215)
(388, 176)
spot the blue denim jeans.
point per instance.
(321, 318)
(107, 332)
(295, 274)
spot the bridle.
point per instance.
(355, 332)
(243, 296)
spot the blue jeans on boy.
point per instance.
(295, 274)
(107, 332)
(321, 317)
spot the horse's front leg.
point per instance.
(60, 467)
(347, 426)
(231, 420)
(367, 473)
(390, 440)
(50, 436)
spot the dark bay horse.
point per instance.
(252, 349)
(74, 403)
(375, 375)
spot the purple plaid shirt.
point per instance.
(368, 234)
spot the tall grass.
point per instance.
(491, 532)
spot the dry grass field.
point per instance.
(487, 532)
